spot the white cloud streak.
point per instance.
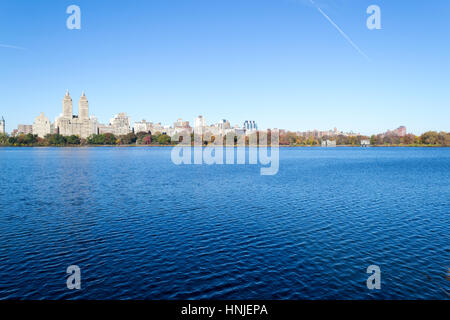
(340, 31)
(11, 47)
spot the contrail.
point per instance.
(11, 47)
(340, 31)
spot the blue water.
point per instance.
(140, 227)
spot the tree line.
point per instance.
(30, 140)
(430, 138)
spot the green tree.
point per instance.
(430, 137)
(444, 138)
(3, 139)
(130, 138)
(73, 140)
(408, 139)
(164, 139)
(12, 141)
(26, 139)
(110, 139)
(97, 139)
(55, 139)
(373, 140)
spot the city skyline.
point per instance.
(85, 124)
(10, 128)
(233, 60)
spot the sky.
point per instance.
(292, 64)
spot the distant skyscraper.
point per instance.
(121, 124)
(224, 124)
(250, 125)
(142, 126)
(2, 126)
(200, 122)
(42, 126)
(180, 124)
(179, 127)
(67, 106)
(24, 129)
(199, 125)
(83, 107)
(400, 131)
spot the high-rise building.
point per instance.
(67, 106)
(42, 126)
(221, 128)
(179, 127)
(24, 129)
(199, 125)
(83, 107)
(250, 126)
(68, 124)
(142, 126)
(180, 124)
(401, 131)
(121, 124)
(224, 125)
(200, 122)
(2, 125)
(157, 127)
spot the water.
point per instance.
(140, 227)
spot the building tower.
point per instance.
(83, 108)
(199, 125)
(250, 125)
(42, 126)
(200, 122)
(2, 126)
(67, 106)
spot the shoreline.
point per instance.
(209, 146)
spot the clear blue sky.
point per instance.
(279, 62)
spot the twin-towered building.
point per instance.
(67, 124)
(80, 125)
